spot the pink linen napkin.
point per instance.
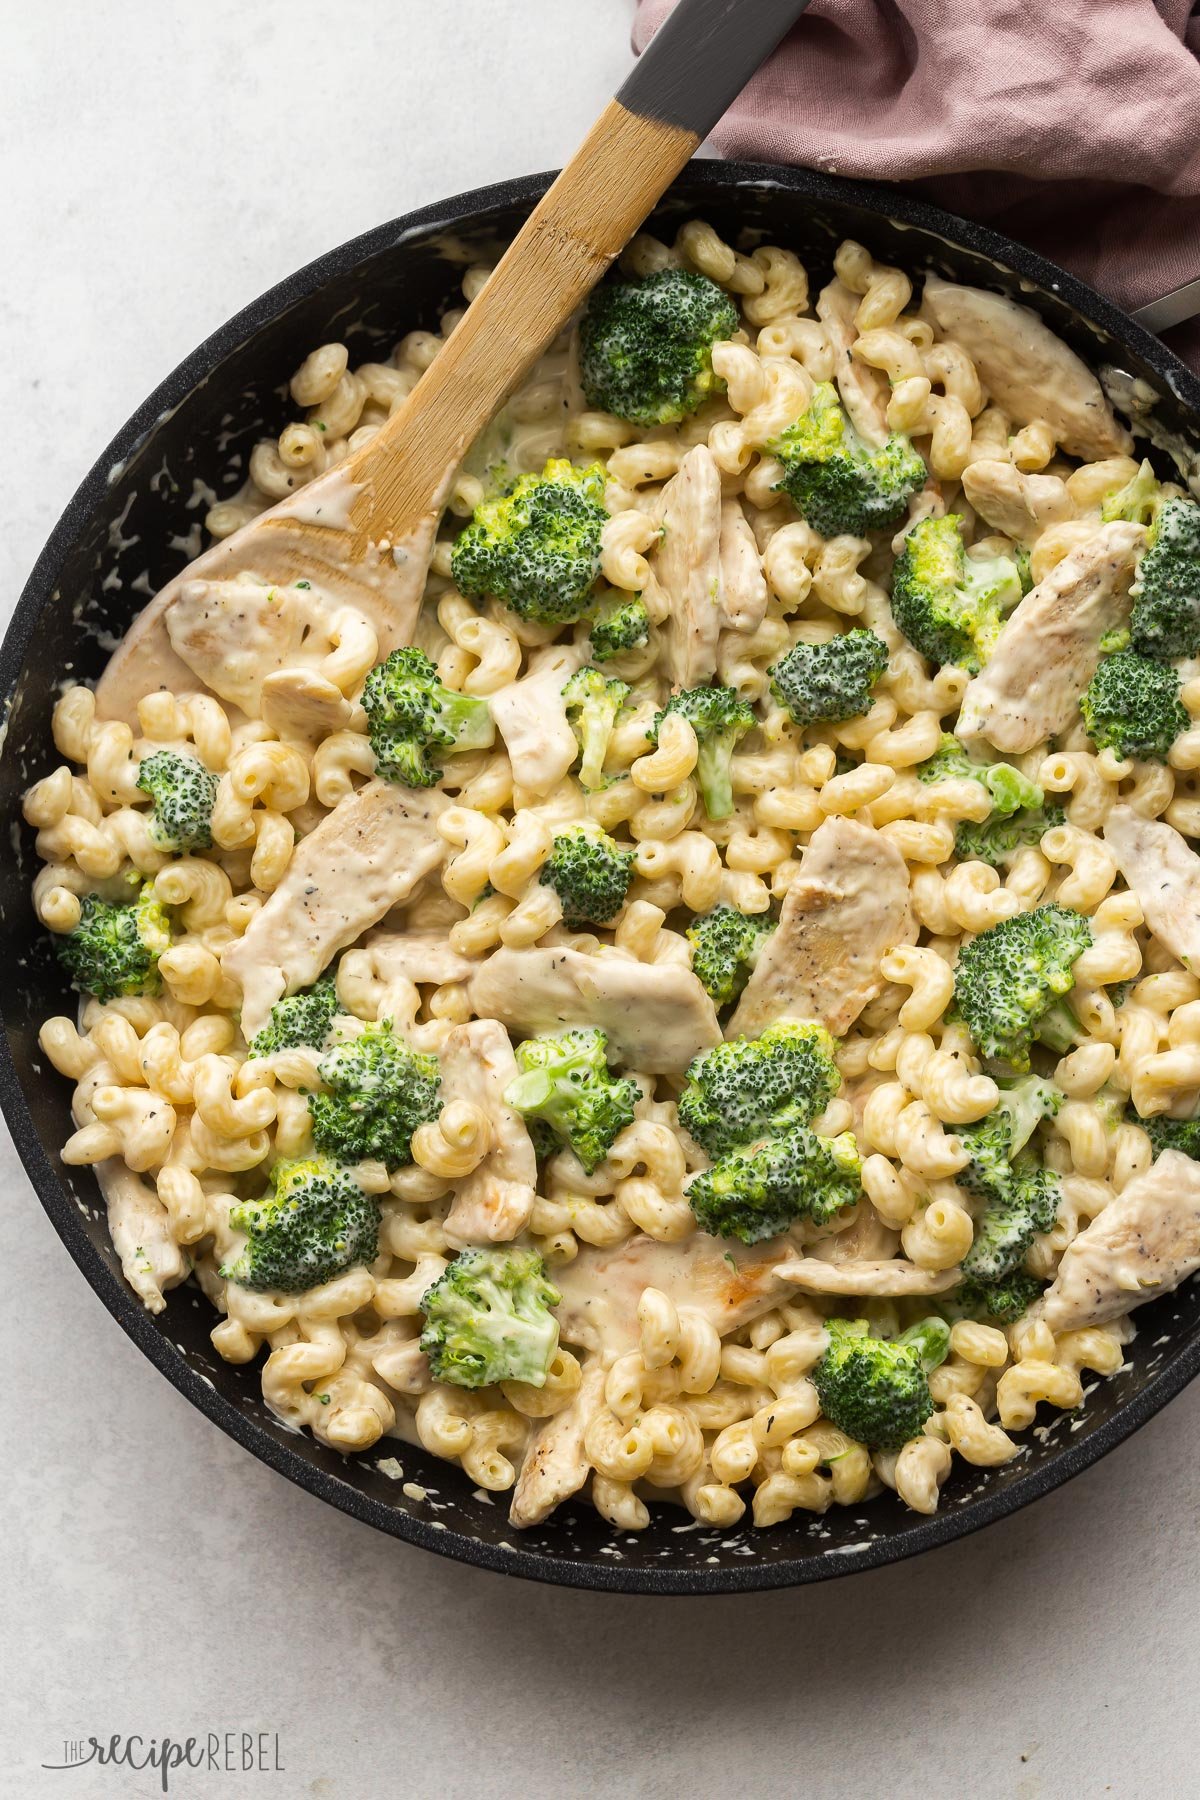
(1072, 125)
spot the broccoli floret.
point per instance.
(876, 1390)
(1137, 501)
(114, 950)
(998, 839)
(381, 1091)
(589, 873)
(619, 626)
(645, 347)
(759, 1193)
(820, 682)
(1166, 592)
(314, 1222)
(949, 605)
(411, 716)
(995, 1141)
(301, 1019)
(758, 1087)
(838, 483)
(1132, 707)
(720, 718)
(184, 793)
(1004, 1301)
(1008, 978)
(1008, 790)
(1021, 1197)
(593, 703)
(1008, 1224)
(1170, 1134)
(725, 947)
(537, 548)
(565, 1082)
(488, 1319)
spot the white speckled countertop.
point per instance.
(159, 166)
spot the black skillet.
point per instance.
(136, 499)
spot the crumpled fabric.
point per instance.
(1072, 125)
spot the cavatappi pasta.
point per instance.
(663, 1380)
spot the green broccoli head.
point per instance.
(565, 1082)
(1132, 707)
(720, 719)
(758, 1193)
(1000, 1302)
(838, 483)
(998, 839)
(818, 683)
(300, 1020)
(1007, 979)
(114, 950)
(381, 1090)
(996, 1140)
(645, 347)
(593, 704)
(725, 947)
(411, 717)
(876, 1390)
(184, 794)
(590, 873)
(949, 605)
(488, 1319)
(313, 1223)
(617, 626)
(1170, 1134)
(1166, 593)
(537, 548)
(750, 1088)
(1011, 1220)
(1137, 501)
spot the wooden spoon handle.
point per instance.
(696, 64)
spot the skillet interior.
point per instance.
(127, 530)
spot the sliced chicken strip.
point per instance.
(493, 1203)
(1143, 1244)
(1164, 873)
(866, 1280)
(421, 956)
(1029, 373)
(301, 706)
(385, 587)
(555, 1464)
(531, 717)
(849, 906)
(687, 568)
(1021, 506)
(863, 390)
(364, 858)
(727, 1282)
(233, 635)
(1049, 648)
(657, 1015)
(140, 1228)
(742, 593)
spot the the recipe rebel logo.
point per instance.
(221, 1752)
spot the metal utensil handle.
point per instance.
(701, 58)
(1169, 309)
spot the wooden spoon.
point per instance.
(362, 534)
